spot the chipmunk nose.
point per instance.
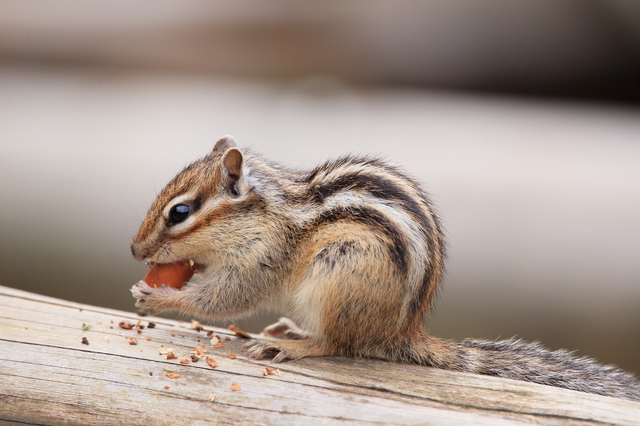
(138, 252)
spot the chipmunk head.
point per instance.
(202, 194)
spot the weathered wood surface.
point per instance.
(50, 377)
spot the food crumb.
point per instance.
(125, 325)
(268, 371)
(219, 345)
(165, 351)
(198, 353)
(167, 387)
(85, 341)
(172, 356)
(212, 362)
(239, 332)
(173, 375)
(133, 341)
(151, 325)
(212, 397)
(195, 325)
(184, 361)
(99, 322)
(86, 327)
(235, 387)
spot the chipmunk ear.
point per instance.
(232, 161)
(224, 143)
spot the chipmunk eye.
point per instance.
(179, 213)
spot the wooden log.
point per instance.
(68, 363)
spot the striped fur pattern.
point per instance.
(352, 250)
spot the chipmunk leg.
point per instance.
(286, 329)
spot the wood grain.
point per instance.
(49, 376)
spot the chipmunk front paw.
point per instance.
(151, 299)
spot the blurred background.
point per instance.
(522, 119)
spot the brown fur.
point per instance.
(352, 250)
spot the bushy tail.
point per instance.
(515, 359)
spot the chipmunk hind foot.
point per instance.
(282, 350)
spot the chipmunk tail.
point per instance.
(519, 360)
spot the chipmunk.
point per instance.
(352, 250)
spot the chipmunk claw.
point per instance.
(140, 290)
(282, 350)
(260, 348)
